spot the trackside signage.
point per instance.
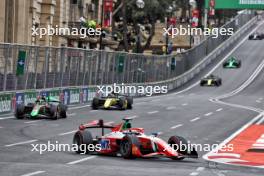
(5, 103)
(237, 4)
(74, 96)
(29, 97)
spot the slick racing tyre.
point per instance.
(95, 103)
(179, 144)
(19, 114)
(122, 103)
(126, 146)
(129, 102)
(54, 112)
(62, 110)
(82, 140)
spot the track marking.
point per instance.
(177, 126)
(199, 169)
(171, 107)
(93, 110)
(184, 104)
(195, 119)
(81, 160)
(79, 107)
(153, 112)
(34, 173)
(194, 173)
(132, 117)
(66, 133)
(258, 101)
(72, 114)
(220, 109)
(33, 121)
(260, 121)
(208, 114)
(1, 127)
(20, 143)
(9, 117)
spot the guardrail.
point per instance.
(83, 94)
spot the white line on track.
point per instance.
(220, 109)
(199, 169)
(93, 110)
(171, 107)
(81, 160)
(9, 117)
(33, 121)
(1, 127)
(21, 143)
(184, 104)
(260, 121)
(79, 107)
(72, 114)
(132, 117)
(66, 133)
(208, 114)
(176, 126)
(34, 173)
(258, 101)
(153, 112)
(195, 119)
(194, 173)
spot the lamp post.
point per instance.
(192, 4)
(169, 11)
(140, 4)
(102, 19)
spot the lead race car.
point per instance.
(256, 36)
(44, 107)
(211, 80)
(131, 142)
(113, 100)
(232, 63)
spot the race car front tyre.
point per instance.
(129, 102)
(82, 140)
(180, 145)
(126, 146)
(20, 109)
(122, 103)
(95, 103)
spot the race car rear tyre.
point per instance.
(63, 111)
(54, 112)
(126, 146)
(20, 111)
(95, 103)
(180, 145)
(82, 140)
(129, 102)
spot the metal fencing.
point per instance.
(51, 67)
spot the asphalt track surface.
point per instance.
(188, 113)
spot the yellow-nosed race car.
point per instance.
(113, 101)
(211, 80)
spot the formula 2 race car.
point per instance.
(232, 63)
(44, 107)
(256, 36)
(211, 80)
(113, 100)
(130, 142)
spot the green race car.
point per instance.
(44, 107)
(232, 63)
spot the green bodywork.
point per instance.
(231, 63)
(40, 103)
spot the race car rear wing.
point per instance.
(96, 124)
